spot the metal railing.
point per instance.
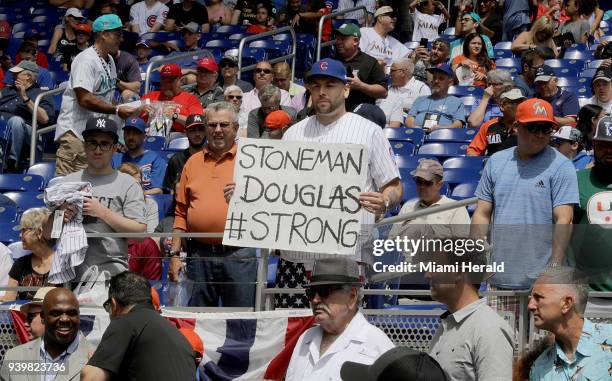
(322, 20)
(160, 61)
(35, 130)
(291, 55)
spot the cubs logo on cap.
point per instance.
(328, 68)
(136, 123)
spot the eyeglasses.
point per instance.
(466, 19)
(543, 128)
(223, 125)
(227, 64)
(234, 96)
(93, 145)
(107, 306)
(31, 316)
(265, 71)
(322, 291)
(392, 70)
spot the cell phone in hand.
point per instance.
(424, 42)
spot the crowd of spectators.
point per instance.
(548, 166)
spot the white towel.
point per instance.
(73, 240)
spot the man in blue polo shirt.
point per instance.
(565, 103)
(152, 166)
(438, 110)
(528, 193)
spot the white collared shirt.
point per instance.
(386, 48)
(399, 99)
(250, 100)
(360, 342)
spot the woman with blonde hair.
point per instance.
(151, 209)
(540, 35)
(31, 270)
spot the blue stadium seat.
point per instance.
(10, 233)
(20, 27)
(449, 31)
(577, 46)
(442, 150)
(45, 169)
(26, 200)
(178, 144)
(508, 62)
(464, 190)
(451, 135)
(222, 44)
(161, 36)
(8, 213)
(231, 29)
(402, 148)
(594, 64)
(503, 54)
(565, 72)
(567, 82)
(465, 162)
(457, 176)
(44, 19)
(414, 135)
(578, 55)
(306, 38)
(21, 182)
(462, 91)
(575, 64)
(283, 37)
(588, 73)
(155, 143)
(238, 36)
(13, 45)
(17, 250)
(503, 45)
(412, 44)
(407, 162)
(337, 23)
(468, 101)
(164, 203)
(409, 189)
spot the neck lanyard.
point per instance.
(105, 65)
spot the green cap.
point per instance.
(107, 22)
(349, 29)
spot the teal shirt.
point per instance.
(592, 360)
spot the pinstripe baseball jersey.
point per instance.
(354, 129)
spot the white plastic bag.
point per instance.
(93, 288)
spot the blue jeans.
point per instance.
(230, 276)
(21, 134)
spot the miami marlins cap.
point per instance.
(604, 130)
(107, 22)
(194, 120)
(101, 124)
(535, 110)
(328, 68)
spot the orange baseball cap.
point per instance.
(535, 110)
(277, 120)
(83, 27)
(155, 300)
(194, 339)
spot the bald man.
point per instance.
(62, 351)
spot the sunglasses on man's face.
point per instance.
(322, 291)
(234, 97)
(543, 128)
(265, 71)
(31, 316)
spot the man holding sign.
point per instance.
(331, 123)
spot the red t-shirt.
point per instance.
(187, 104)
(145, 259)
(41, 59)
(1, 78)
(255, 28)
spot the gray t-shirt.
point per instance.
(122, 194)
(576, 28)
(91, 73)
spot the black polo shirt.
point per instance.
(175, 168)
(143, 346)
(370, 72)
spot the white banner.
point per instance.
(297, 196)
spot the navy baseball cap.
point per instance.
(444, 68)
(544, 74)
(101, 124)
(328, 68)
(136, 123)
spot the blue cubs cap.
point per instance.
(136, 123)
(328, 68)
(444, 68)
(107, 22)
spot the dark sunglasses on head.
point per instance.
(544, 128)
(322, 291)
(31, 316)
(265, 71)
